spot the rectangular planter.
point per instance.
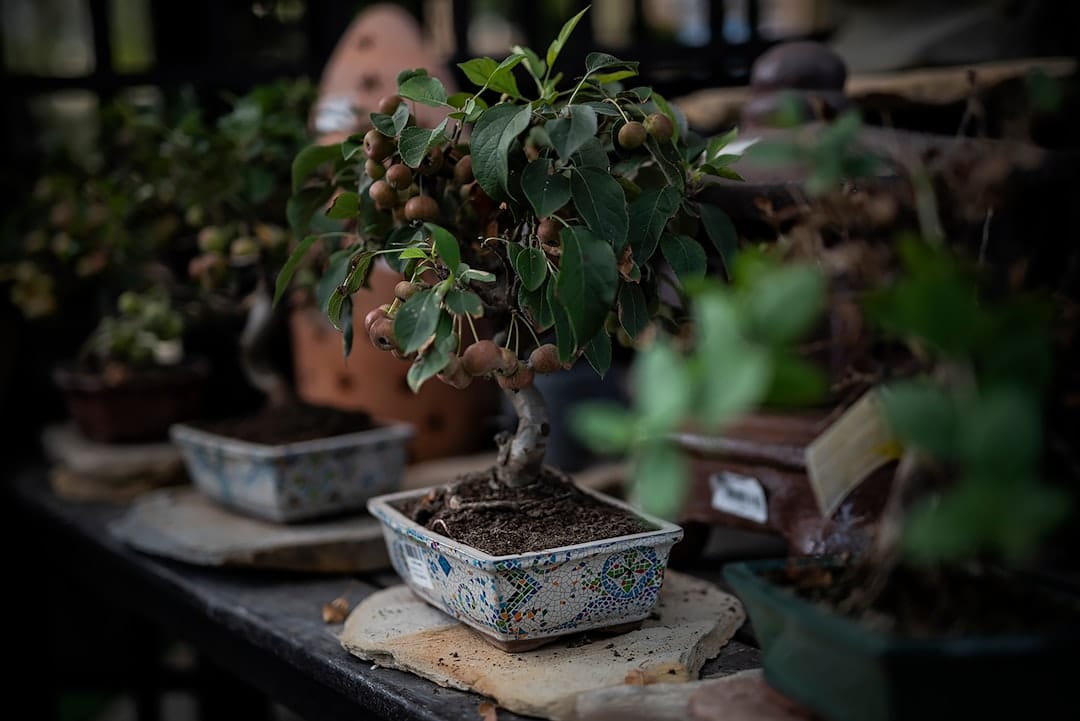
(846, 671)
(520, 600)
(295, 481)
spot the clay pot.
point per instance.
(138, 408)
(448, 421)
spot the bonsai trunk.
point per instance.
(521, 454)
(254, 348)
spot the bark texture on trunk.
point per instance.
(521, 454)
(254, 349)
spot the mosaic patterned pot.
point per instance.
(521, 601)
(295, 481)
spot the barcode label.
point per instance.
(417, 566)
(739, 495)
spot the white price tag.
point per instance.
(739, 495)
(418, 569)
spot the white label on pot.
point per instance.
(418, 569)
(848, 451)
(739, 495)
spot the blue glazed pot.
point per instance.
(295, 481)
(534, 596)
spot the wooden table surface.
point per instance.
(265, 627)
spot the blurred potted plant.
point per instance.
(289, 460)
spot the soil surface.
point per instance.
(291, 424)
(481, 512)
(936, 602)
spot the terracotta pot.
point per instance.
(754, 477)
(140, 407)
(448, 421)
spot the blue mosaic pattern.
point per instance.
(534, 595)
(297, 481)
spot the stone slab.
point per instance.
(65, 445)
(184, 525)
(693, 620)
(742, 696)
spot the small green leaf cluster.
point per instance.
(144, 331)
(546, 209)
(740, 355)
(979, 413)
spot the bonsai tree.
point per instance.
(562, 213)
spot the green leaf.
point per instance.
(303, 205)
(569, 133)
(603, 426)
(685, 256)
(309, 159)
(480, 276)
(587, 280)
(795, 382)
(289, 269)
(564, 34)
(564, 329)
(352, 146)
(649, 215)
(545, 191)
(485, 72)
(414, 253)
(787, 306)
(923, 416)
(721, 232)
(598, 352)
(599, 61)
(533, 63)
(492, 135)
(463, 302)
(446, 246)
(334, 307)
(435, 357)
(417, 319)
(337, 267)
(347, 323)
(391, 125)
(599, 199)
(614, 77)
(531, 266)
(345, 206)
(359, 271)
(664, 392)
(633, 310)
(591, 155)
(745, 369)
(415, 143)
(422, 88)
(535, 302)
(661, 480)
(668, 162)
(1001, 435)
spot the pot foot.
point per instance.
(531, 644)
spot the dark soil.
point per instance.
(937, 602)
(500, 520)
(291, 424)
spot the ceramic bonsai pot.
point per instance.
(846, 671)
(522, 601)
(135, 408)
(295, 481)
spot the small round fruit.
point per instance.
(377, 146)
(481, 358)
(523, 378)
(374, 169)
(545, 359)
(389, 104)
(383, 195)
(508, 362)
(375, 314)
(381, 334)
(399, 176)
(244, 250)
(463, 173)
(548, 231)
(421, 207)
(659, 126)
(405, 290)
(211, 239)
(632, 135)
(129, 303)
(454, 374)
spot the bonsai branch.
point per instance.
(521, 454)
(254, 348)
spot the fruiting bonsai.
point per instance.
(564, 214)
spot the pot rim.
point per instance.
(379, 506)
(68, 376)
(383, 430)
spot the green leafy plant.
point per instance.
(562, 213)
(145, 330)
